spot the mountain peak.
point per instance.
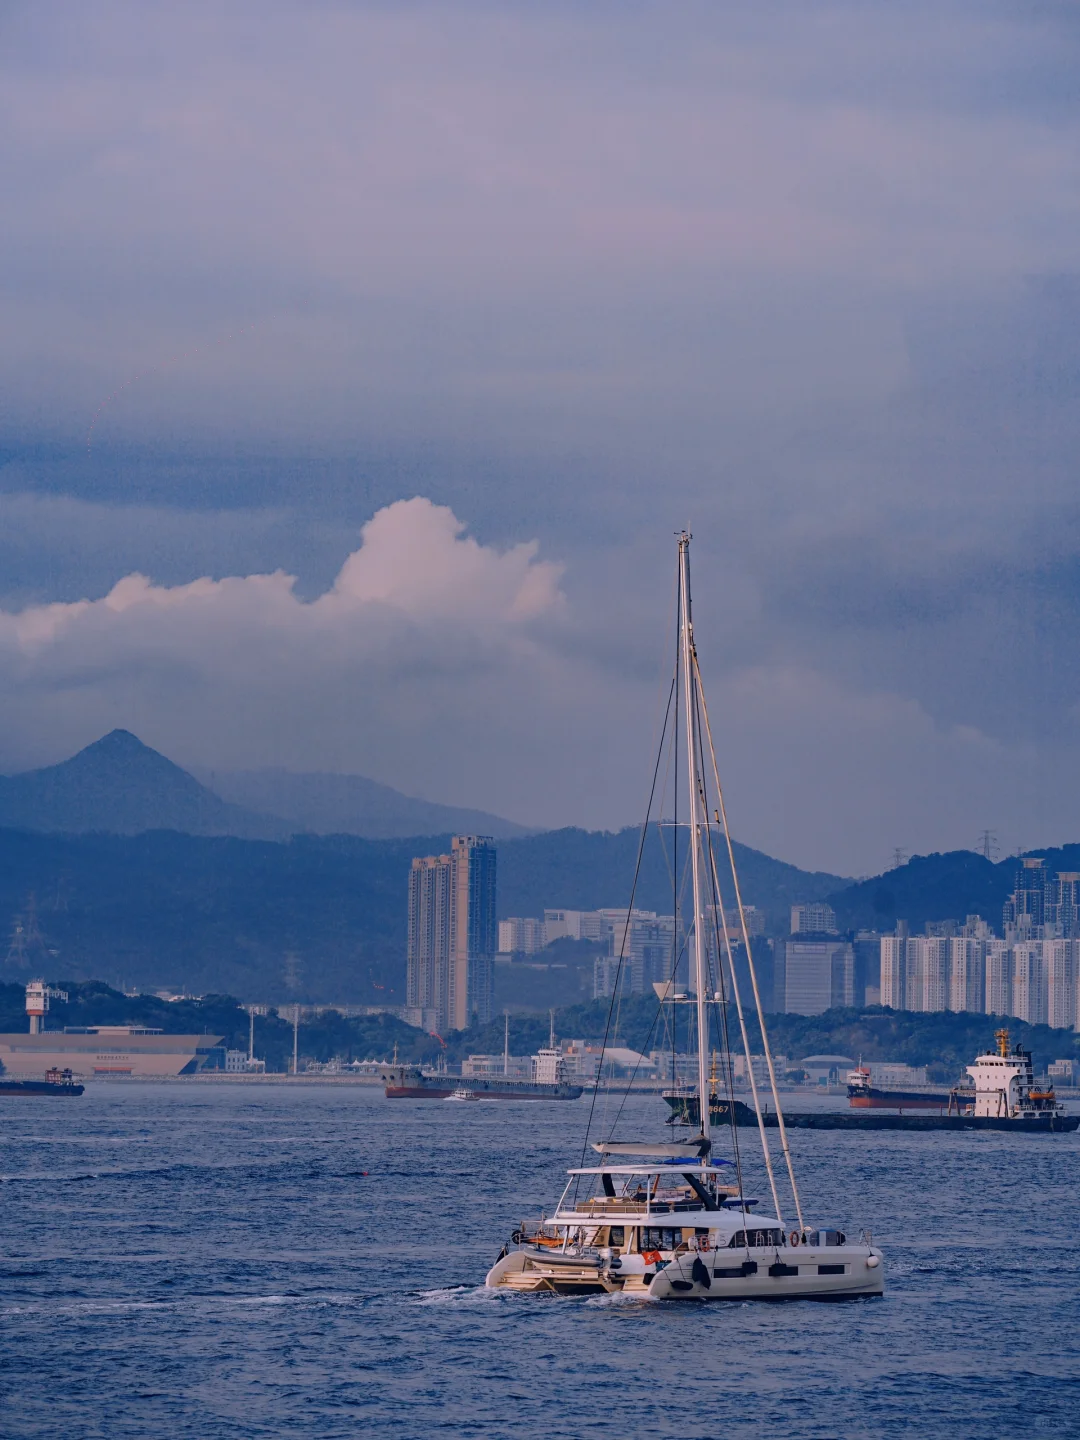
(117, 743)
(118, 784)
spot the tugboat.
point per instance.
(56, 1082)
(672, 1221)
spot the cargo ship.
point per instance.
(409, 1082)
(1003, 1097)
(862, 1095)
(56, 1082)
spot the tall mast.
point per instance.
(686, 647)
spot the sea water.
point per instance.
(245, 1260)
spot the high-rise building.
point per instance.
(522, 935)
(453, 936)
(1029, 982)
(1037, 980)
(1026, 909)
(927, 987)
(1064, 914)
(817, 919)
(431, 943)
(999, 977)
(967, 973)
(644, 942)
(1060, 962)
(894, 971)
(818, 975)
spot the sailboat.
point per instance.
(670, 1220)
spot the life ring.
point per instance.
(794, 1238)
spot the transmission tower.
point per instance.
(988, 845)
(28, 943)
(899, 857)
(16, 955)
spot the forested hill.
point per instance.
(939, 887)
(310, 919)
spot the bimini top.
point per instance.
(645, 1147)
(681, 1167)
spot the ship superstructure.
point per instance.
(1005, 1085)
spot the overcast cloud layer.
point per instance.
(563, 278)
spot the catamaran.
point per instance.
(671, 1220)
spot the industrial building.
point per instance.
(103, 1050)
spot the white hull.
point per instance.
(701, 1276)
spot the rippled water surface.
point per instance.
(240, 1260)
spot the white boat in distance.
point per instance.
(671, 1220)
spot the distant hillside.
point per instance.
(316, 918)
(321, 1037)
(589, 869)
(329, 804)
(944, 1040)
(121, 786)
(939, 887)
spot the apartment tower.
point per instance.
(453, 936)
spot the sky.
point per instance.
(361, 360)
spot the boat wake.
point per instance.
(461, 1295)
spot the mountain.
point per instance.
(939, 887)
(120, 786)
(329, 804)
(315, 919)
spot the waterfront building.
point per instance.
(110, 1051)
(453, 935)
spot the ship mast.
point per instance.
(686, 651)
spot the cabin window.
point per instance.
(618, 1235)
(832, 1269)
(756, 1237)
(659, 1237)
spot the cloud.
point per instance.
(420, 615)
(802, 278)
